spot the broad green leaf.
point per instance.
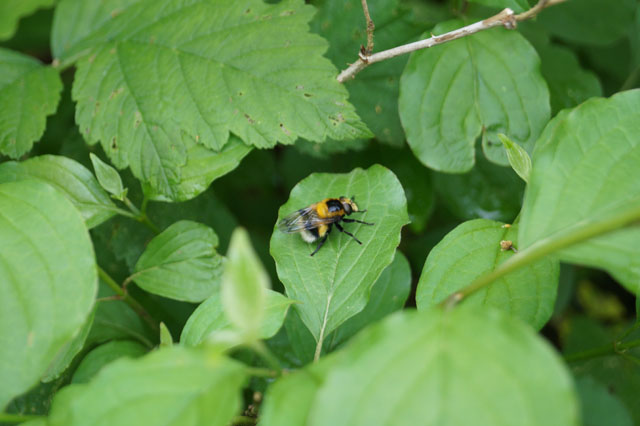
(516, 5)
(388, 294)
(301, 342)
(374, 92)
(584, 170)
(99, 357)
(12, 10)
(48, 281)
(165, 336)
(518, 157)
(244, 285)
(474, 249)
(334, 285)
(69, 177)
(593, 22)
(599, 406)
(29, 92)
(511, 377)
(149, 91)
(482, 85)
(171, 386)
(108, 177)
(209, 318)
(181, 263)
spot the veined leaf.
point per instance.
(585, 168)
(147, 89)
(473, 249)
(334, 285)
(108, 177)
(181, 263)
(171, 386)
(12, 10)
(518, 157)
(71, 178)
(485, 84)
(46, 256)
(29, 92)
(99, 357)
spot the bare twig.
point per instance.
(507, 18)
(370, 27)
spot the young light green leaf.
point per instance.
(29, 92)
(46, 257)
(512, 377)
(12, 10)
(518, 157)
(244, 285)
(486, 84)
(516, 5)
(165, 336)
(374, 92)
(584, 171)
(335, 283)
(388, 295)
(475, 248)
(600, 406)
(108, 177)
(181, 263)
(71, 178)
(169, 386)
(209, 318)
(105, 354)
(146, 89)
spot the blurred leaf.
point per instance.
(181, 263)
(597, 22)
(99, 357)
(334, 285)
(599, 406)
(474, 249)
(108, 177)
(37, 400)
(518, 157)
(176, 385)
(12, 10)
(72, 179)
(244, 286)
(374, 92)
(599, 304)
(46, 256)
(584, 171)
(259, 88)
(486, 84)
(29, 92)
(301, 341)
(210, 317)
(165, 336)
(516, 5)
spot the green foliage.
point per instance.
(12, 10)
(108, 178)
(93, 362)
(518, 157)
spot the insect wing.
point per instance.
(303, 219)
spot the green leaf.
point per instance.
(473, 249)
(599, 406)
(209, 318)
(181, 263)
(69, 177)
(584, 170)
(48, 281)
(511, 377)
(518, 157)
(12, 10)
(170, 386)
(108, 177)
(485, 84)
(516, 5)
(334, 285)
(29, 92)
(244, 285)
(147, 92)
(592, 22)
(374, 92)
(105, 354)
(165, 336)
(388, 294)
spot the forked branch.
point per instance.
(507, 18)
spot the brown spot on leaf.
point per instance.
(287, 12)
(308, 95)
(378, 109)
(249, 119)
(285, 130)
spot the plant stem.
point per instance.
(545, 247)
(128, 299)
(17, 418)
(141, 215)
(261, 349)
(609, 349)
(370, 27)
(507, 18)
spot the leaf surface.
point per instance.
(99, 357)
(12, 11)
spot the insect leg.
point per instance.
(355, 220)
(341, 229)
(320, 243)
(360, 211)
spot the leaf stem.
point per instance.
(506, 18)
(128, 299)
(140, 214)
(609, 349)
(17, 418)
(547, 246)
(370, 27)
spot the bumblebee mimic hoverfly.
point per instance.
(314, 223)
